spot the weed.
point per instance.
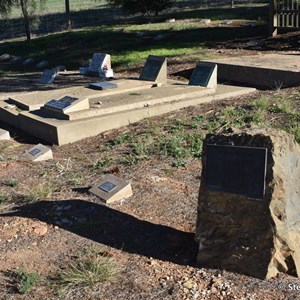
(90, 271)
(295, 131)
(173, 147)
(121, 139)
(179, 163)
(26, 281)
(107, 162)
(12, 182)
(262, 103)
(3, 197)
(281, 106)
(131, 160)
(37, 192)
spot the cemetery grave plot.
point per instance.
(162, 196)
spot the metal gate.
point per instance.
(284, 14)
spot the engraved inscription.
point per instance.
(61, 103)
(237, 170)
(35, 151)
(107, 186)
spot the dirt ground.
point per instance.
(48, 218)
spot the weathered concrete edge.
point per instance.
(72, 131)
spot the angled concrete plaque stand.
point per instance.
(38, 153)
(205, 74)
(100, 62)
(48, 76)
(67, 104)
(155, 69)
(111, 188)
(4, 135)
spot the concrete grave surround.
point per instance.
(256, 238)
(111, 188)
(4, 135)
(265, 70)
(205, 74)
(155, 69)
(131, 101)
(48, 76)
(38, 153)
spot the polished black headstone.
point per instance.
(237, 170)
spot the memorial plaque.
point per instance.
(103, 85)
(203, 75)
(48, 76)
(62, 103)
(111, 188)
(107, 186)
(34, 151)
(67, 104)
(155, 69)
(38, 153)
(237, 170)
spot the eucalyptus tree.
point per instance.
(28, 10)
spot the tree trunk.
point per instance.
(68, 15)
(232, 3)
(26, 18)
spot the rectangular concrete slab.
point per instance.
(67, 131)
(34, 100)
(265, 70)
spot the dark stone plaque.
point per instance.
(35, 151)
(62, 103)
(151, 68)
(104, 85)
(107, 186)
(237, 170)
(201, 75)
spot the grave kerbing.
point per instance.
(240, 234)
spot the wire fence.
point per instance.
(101, 15)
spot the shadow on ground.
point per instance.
(113, 228)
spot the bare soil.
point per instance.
(150, 235)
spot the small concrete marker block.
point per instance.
(67, 104)
(48, 76)
(111, 188)
(28, 61)
(4, 57)
(15, 59)
(42, 64)
(4, 135)
(39, 153)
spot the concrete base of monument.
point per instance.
(109, 110)
(266, 70)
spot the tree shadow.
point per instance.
(114, 228)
